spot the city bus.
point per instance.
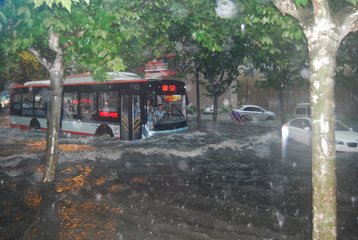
(123, 106)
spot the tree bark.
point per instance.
(323, 141)
(197, 85)
(282, 105)
(323, 32)
(323, 41)
(53, 122)
(56, 70)
(54, 115)
(215, 113)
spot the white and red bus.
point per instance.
(124, 106)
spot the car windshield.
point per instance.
(341, 127)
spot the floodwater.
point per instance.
(223, 182)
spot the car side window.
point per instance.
(258, 110)
(296, 123)
(300, 111)
(306, 124)
(301, 123)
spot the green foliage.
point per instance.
(191, 109)
(98, 36)
(67, 4)
(225, 109)
(301, 3)
(274, 40)
(353, 2)
(347, 66)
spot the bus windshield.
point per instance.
(166, 109)
(169, 109)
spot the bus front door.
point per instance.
(136, 122)
(125, 117)
(130, 117)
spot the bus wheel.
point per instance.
(104, 130)
(34, 124)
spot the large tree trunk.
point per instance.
(53, 128)
(323, 32)
(54, 116)
(322, 65)
(56, 70)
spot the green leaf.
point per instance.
(100, 33)
(115, 64)
(301, 3)
(38, 3)
(353, 2)
(23, 10)
(67, 4)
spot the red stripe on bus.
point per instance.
(19, 126)
(78, 133)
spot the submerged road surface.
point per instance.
(223, 182)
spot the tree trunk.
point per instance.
(324, 33)
(282, 105)
(56, 70)
(53, 128)
(197, 85)
(323, 65)
(215, 113)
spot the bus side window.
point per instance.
(40, 105)
(27, 104)
(108, 106)
(27, 100)
(16, 104)
(88, 105)
(70, 103)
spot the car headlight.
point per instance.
(284, 132)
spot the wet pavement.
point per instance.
(223, 182)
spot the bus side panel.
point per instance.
(23, 122)
(20, 122)
(75, 126)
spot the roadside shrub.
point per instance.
(191, 109)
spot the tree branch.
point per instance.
(349, 21)
(304, 16)
(39, 58)
(287, 7)
(54, 44)
(321, 8)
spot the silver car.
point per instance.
(299, 129)
(254, 112)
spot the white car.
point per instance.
(299, 129)
(209, 109)
(254, 112)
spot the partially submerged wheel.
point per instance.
(245, 118)
(34, 124)
(104, 131)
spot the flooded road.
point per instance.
(223, 182)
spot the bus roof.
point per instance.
(84, 78)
